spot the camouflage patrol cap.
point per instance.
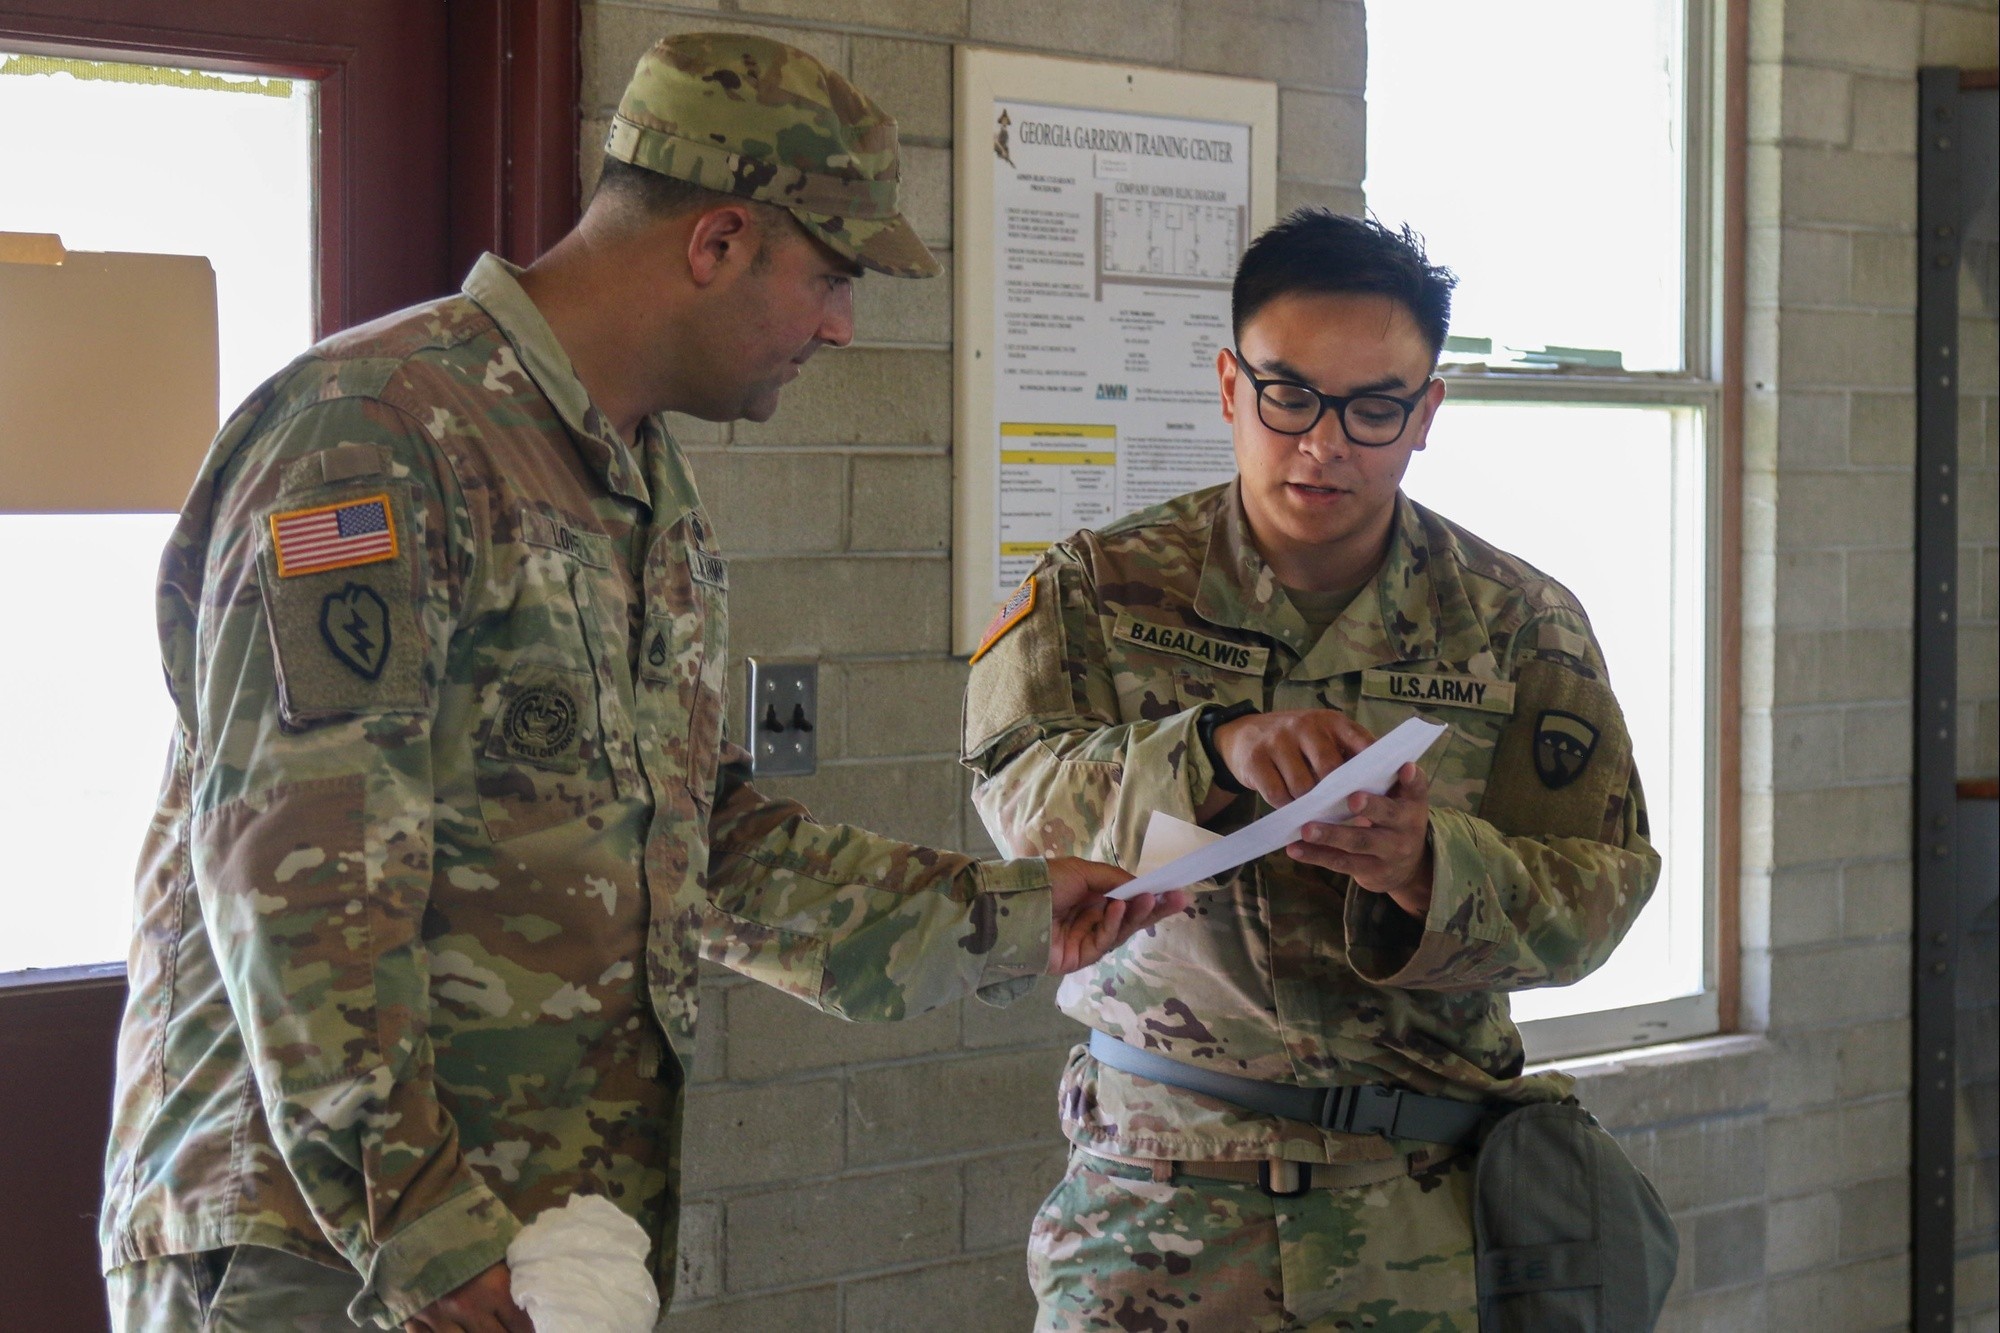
(745, 115)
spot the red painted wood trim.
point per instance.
(515, 118)
(380, 230)
(1729, 578)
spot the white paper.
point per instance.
(1167, 840)
(1372, 771)
(1115, 238)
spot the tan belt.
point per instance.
(1279, 1179)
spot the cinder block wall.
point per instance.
(875, 1178)
(1828, 597)
(881, 1178)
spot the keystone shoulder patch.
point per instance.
(1564, 743)
(1439, 689)
(1203, 648)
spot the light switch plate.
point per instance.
(782, 725)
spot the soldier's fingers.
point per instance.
(1293, 769)
(1339, 837)
(1099, 932)
(1358, 841)
(1260, 776)
(514, 1319)
(1171, 903)
(1322, 752)
(1326, 858)
(1352, 737)
(1383, 844)
(1145, 910)
(1121, 918)
(1411, 785)
(1381, 811)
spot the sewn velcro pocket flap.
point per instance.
(547, 716)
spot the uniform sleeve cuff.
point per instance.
(436, 1254)
(1014, 897)
(1389, 947)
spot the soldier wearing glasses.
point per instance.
(1273, 1124)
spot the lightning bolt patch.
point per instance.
(355, 624)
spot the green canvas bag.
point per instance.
(1572, 1238)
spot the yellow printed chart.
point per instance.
(1054, 479)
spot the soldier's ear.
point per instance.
(1427, 412)
(1225, 375)
(723, 240)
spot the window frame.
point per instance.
(498, 148)
(1709, 382)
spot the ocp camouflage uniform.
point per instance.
(1080, 722)
(446, 827)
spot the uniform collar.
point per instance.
(1397, 618)
(495, 285)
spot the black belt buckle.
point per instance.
(1368, 1108)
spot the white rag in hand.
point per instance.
(581, 1268)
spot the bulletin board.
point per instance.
(1099, 211)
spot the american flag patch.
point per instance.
(336, 536)
(1011, 614)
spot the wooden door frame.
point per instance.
(508, 95)
(500, 174)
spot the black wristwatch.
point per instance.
(1204, 727)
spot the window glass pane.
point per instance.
(179, 162)
(1539, 148)
(151, 160)
(87, 739)
(1607, 500)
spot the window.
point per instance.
(183, 162)
(1554, 155)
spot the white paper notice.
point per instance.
(1373, 771)
(1168, 839)
(1115, 240)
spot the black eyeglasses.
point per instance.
(1368, 419)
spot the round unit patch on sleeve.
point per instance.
(1013, 613)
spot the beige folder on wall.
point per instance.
(107, 377)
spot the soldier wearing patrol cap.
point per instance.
(449, 818)
(1273, 1120)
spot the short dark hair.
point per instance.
(648, 194)
(1318, 250)
(652, 193)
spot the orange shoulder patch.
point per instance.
(1013, 613)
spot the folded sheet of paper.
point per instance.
(1373, 771)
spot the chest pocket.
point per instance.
(683, 656)
(1476, 709)
(547, 735)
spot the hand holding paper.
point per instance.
(1372, 771)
